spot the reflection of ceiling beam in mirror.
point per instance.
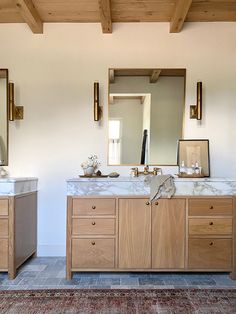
(155, 75)
(111, 76)
(105, 15)
(3, 73)
(179, 15)
(30, 15)
(144, 72)
(114, 97)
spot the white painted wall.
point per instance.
(54, 75)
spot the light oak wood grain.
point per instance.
(93, 206)
(30, 15)
(3, 207)
(134, 233)
(93, 226)
(210, 253)
(93, 253)
(3, 227)
(179, 15)
(210, 206)
(212, 226)
(168, 233)
(3, 254)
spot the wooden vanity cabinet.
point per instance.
(129, 233)
(18, 230)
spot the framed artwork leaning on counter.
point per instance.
(193, 158)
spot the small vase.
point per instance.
(89, 171)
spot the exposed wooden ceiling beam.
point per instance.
(179, 16)
(155, 75)
(105, 15)
(30, 15)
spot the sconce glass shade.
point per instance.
(11, 102)
(199, 101)
(15, 112)
(96, 102)
(196, 110)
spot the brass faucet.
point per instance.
(135, 172)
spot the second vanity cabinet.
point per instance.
(129, 233)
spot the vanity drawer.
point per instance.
(210, 253)
(85, 226)
(3, 227)
(212, 226)
(210, 206)
(93, 253)
(4, 254)
(94, 206)
(3, 207)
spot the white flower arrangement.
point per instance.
(92, 161)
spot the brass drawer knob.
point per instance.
(211, 223)
(93, 243)
(211, 207)
(211, 243)
(93, 223)
(93, 207)
(156, 203)
(147, 203)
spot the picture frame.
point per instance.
(192, 151)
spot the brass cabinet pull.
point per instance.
(156, 203)
(211, 223)
(147, 203)
(211, 207)
(93, 243)
(211, 243)
(93, 207)
(93, 223)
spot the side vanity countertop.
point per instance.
(10, 186)
(138, 186)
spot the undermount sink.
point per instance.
(17, 185)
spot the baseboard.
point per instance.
(51, 250)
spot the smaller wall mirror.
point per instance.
(146, 109)
(3, 117)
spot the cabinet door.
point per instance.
(134, 233)
(168, 233)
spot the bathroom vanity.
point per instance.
(112, 226)
(18, 222)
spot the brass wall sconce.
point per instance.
(15, 112)
(97, 109)
(196, 110)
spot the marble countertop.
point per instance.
(142, 178)
(17, 179)
(139, 186)
(10, 186)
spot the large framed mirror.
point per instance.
(146, 112)
(3, 117)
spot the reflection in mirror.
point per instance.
(146, 109)
(3, 117)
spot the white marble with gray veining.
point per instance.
(14, 186)
(137, 186)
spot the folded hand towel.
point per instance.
(161, 186)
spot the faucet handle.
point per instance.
(157, 171)
(134, 172)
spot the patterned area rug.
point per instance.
(119, 301)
